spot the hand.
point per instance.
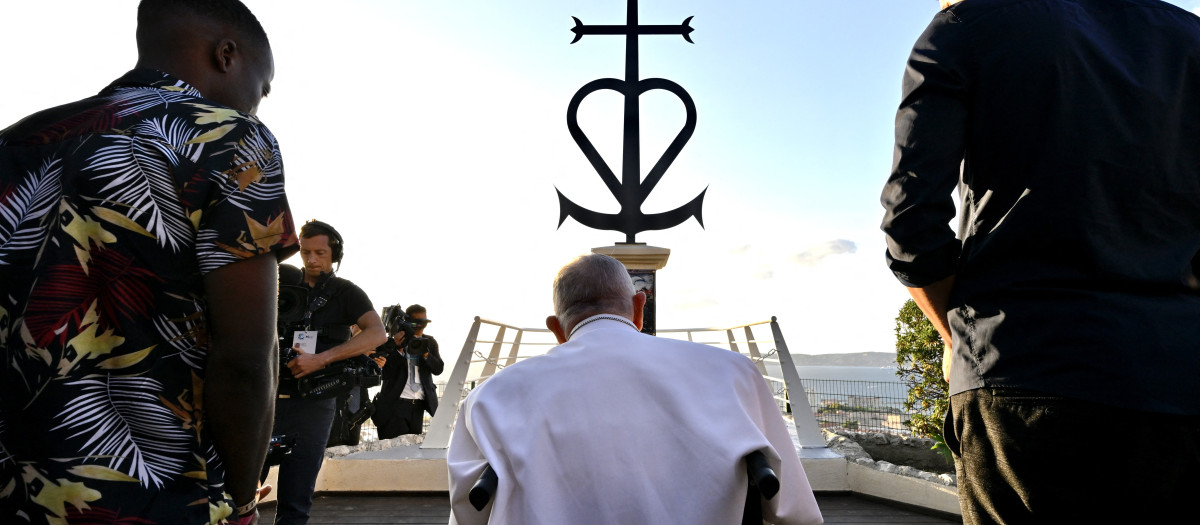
(380, 360)
(398, 338)
(305, 363)
(947, 360)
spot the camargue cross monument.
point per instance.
(631, 190)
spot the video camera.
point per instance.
(280, 446)
(336, 379)
(293, 297)
(396, 320)
(292, 305)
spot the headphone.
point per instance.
(335, 238)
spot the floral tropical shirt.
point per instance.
(112, 209)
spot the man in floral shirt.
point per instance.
(139, 235)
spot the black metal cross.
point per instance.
(631, 191)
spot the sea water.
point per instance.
(853, 385)
(849, 373)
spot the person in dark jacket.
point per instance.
(405, 396)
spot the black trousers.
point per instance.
(1027, 457)
(399, 417)
(308, 421)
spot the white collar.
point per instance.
(600, 317)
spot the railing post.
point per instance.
(763, 367)
(443, 421)
(806, 422)
(750, 347)
(516, 346)
(489, 367)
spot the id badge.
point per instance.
(307, 339)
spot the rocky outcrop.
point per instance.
(857, 447)
(901, 450)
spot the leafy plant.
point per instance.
(919, 365)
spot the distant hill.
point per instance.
(872, 359)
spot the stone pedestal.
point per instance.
(642, 262)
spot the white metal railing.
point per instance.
(479, 359)
(474, 366)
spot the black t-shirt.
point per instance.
(345, 306)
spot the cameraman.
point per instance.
(334, 304)
(404, 397)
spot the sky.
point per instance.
(433, 136)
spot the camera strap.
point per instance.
(325, 291)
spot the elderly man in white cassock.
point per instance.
(614, 426)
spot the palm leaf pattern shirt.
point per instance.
(112, 209)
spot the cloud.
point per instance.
(814, 255)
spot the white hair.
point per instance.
(590, 285)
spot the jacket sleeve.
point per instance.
(930, 143)
(433, 360)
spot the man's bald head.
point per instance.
(217, 46)
(590, 285)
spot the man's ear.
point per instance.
(224, 54)
(639, 303)
(557, 328)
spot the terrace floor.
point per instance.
(432, 509)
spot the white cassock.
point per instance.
(618, 427)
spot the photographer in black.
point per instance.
(401, 403)
(331, 305)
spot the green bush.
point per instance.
(919, 365)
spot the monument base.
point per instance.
(642, 262)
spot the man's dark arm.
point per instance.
(243, 364)
(433, 360)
